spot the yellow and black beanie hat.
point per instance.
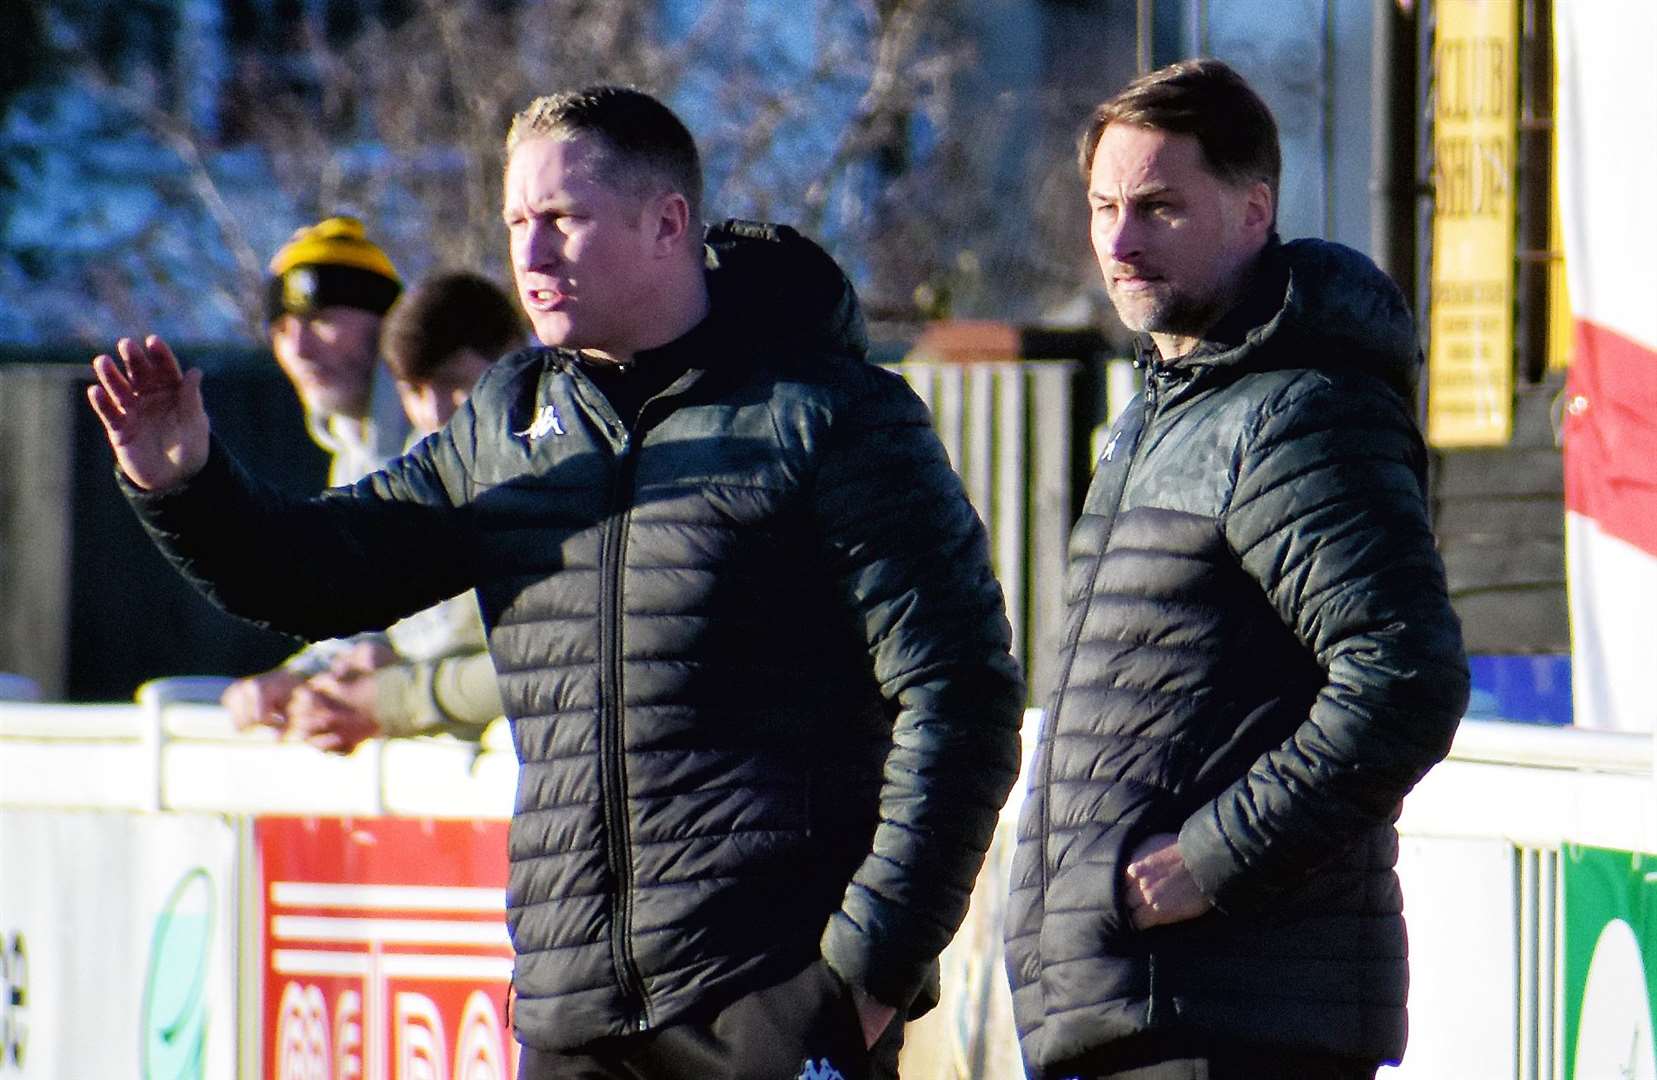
(330, 264)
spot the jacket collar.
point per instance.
(1262, 301)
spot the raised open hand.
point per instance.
(152, 412)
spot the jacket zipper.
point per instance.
(611, 741)
(611, 738)
(1050, 722)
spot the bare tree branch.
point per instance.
(852, 125)
(183, 141)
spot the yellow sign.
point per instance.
(1470, 365)
(1559, 295)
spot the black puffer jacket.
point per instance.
(755, 660)
(1260, 656)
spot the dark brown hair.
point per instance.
(443, 315)
(1207, 100)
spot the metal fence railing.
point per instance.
(1008, 430)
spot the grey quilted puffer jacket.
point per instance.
(1260, 657)
(756, 664)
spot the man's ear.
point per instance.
(669, 219)
(1259, 210)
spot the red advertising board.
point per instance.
(386, 954)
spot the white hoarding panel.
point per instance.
(118, 934)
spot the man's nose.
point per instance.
(1125, 237)
(538, 245)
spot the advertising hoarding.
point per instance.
(117, 951)
(1610, 963)
(386, 955)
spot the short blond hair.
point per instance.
(646, 147)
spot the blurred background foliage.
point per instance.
(156, 152)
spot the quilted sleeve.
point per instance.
(1329, 517)
(350, 559)
(911, 561)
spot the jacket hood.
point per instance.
(787, 293)
(1321, 305)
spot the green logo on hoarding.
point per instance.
(173, 1023)
(1610, 963)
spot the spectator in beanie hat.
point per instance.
(328, 293)
(330, 287)
(331, 264)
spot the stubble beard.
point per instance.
(1164, 310)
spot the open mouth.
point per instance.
(545, 299)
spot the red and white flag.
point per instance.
(1607, 128)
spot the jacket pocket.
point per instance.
(808, 1019)
(1086, 912)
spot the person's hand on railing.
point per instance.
(152, 413)
(335, 711)
(261, 700)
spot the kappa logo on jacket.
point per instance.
(547, 421)
(821, 1069)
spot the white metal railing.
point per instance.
(175, 748)
(1007, 429)
(1539, 746)
(1539, 1012)
(1481, 867)
(1528, 791)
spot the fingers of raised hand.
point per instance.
(149, 362)
(135, 359)
(145, 368)
(112, 395)
(161, 353)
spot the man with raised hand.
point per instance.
(755, 660)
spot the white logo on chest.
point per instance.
(547, 422)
